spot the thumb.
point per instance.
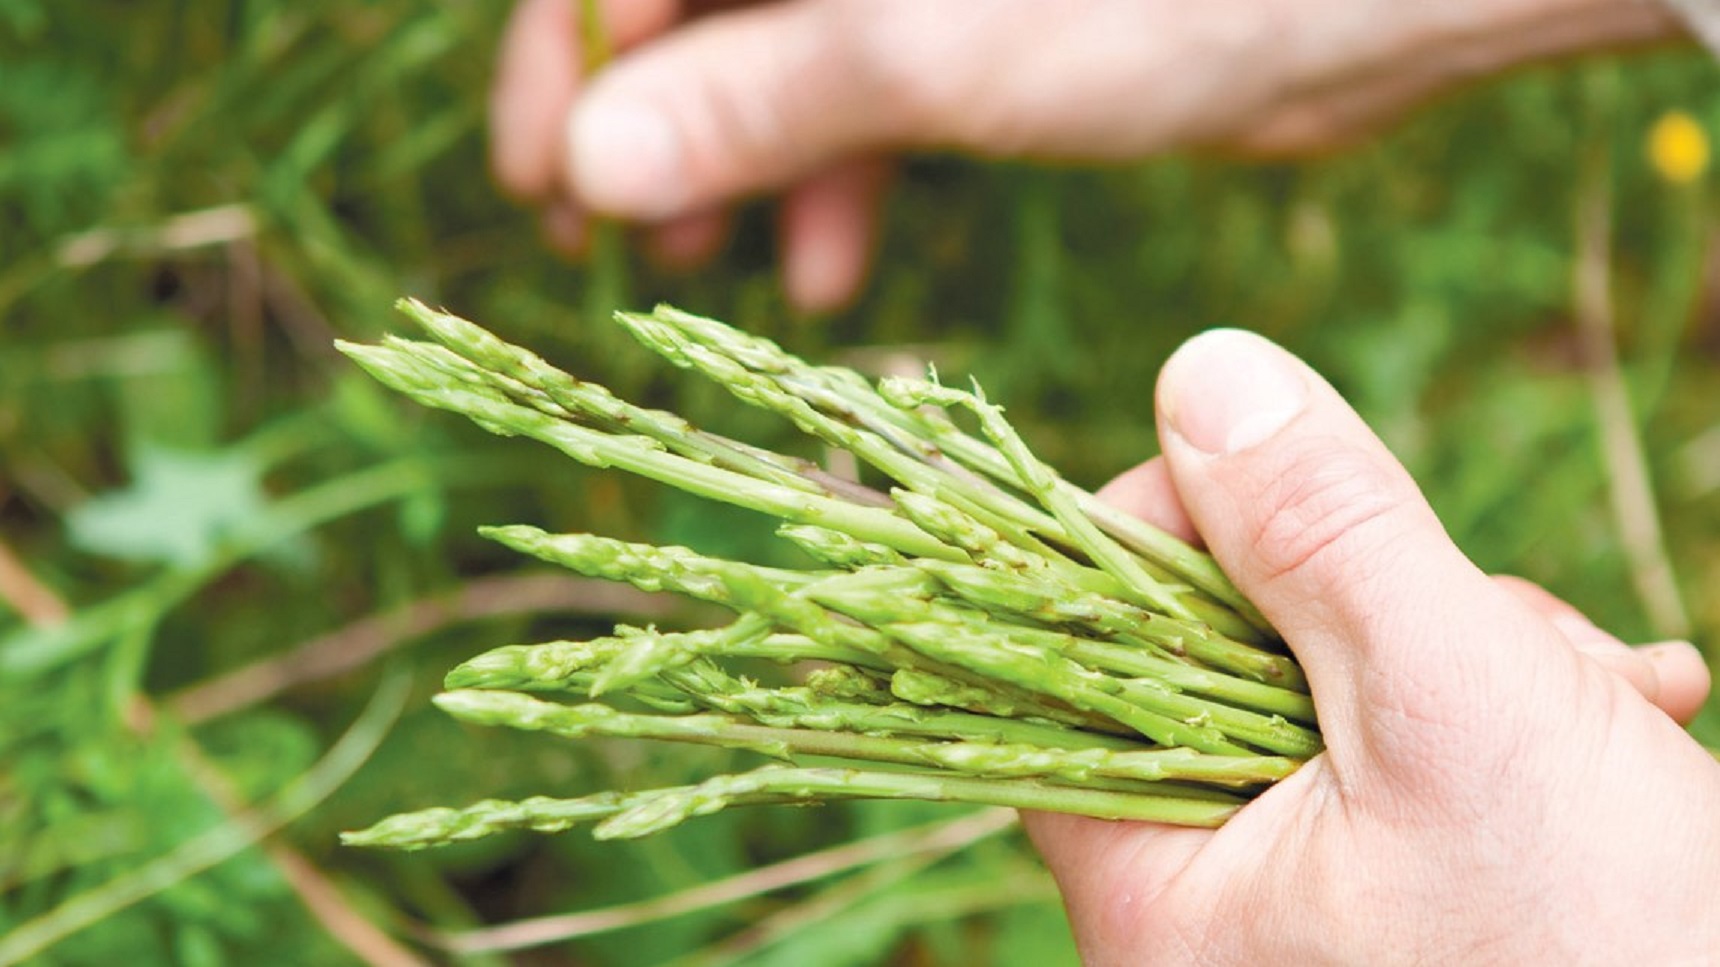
(1411, 651)
(736, 102)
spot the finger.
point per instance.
(690, 240)
(566, 229)
(1584, 635)
(1670, 674)
(734, 102)
(1684, 678)
(1146, 491)
(760, 98)
(538, 75)
(829, 228)
(1322, 528)
(1108, 872)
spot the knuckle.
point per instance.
(907, 61)
(1325, 511)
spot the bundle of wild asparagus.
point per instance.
(985, 632)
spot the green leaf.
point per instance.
(179, 509)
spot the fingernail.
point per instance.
(1227, 390)
(626, 159)
(1662, 652)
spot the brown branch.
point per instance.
(34, 601)
(330, 908)
(362, 641)
(1629, 487)
(934, 840)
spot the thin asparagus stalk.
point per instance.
(837, 549)
(554, 665)
(519, 711)
(926, 688)
(803, 708)
(646, 458)
(1009, 594)
(747, 386)
(843, 395)
(627, 815)
(885, 595)
(529, 379)
(988, 548)
(566, 666)
(671, 807)
(441, 826)
(744, 587)
(648, 654)
(995, 630)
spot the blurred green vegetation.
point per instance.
(197, 197)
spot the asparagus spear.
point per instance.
(515, 710)
(643, 456)
(628, 815)
(993, 629)
(843, 395)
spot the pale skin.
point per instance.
(1504, 782)
(713, 100)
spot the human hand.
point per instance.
(806, 96)
(1502, 783)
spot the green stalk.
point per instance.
(883, 598)
(935, 440)
(836, 549)
(1045, 484)
(568, 666)
(554, 665)
(514, 710)
(1018, 597)
(1006, 512)
(745, 588)
(645, 457)
(988, 548)
(476, 356)
(803, 708)
(995, 631)
(627, 815)
(670, 807)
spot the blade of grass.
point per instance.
(221, 843)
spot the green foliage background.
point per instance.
(196, 197)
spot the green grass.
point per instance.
(191, 473)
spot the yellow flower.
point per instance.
(1678, 148)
